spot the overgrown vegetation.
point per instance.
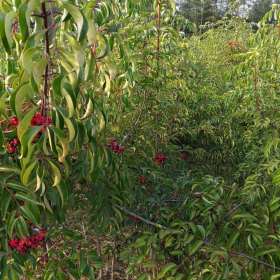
(131, 152)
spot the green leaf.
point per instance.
(27, 199)
(47, 204)
(79, 19)
(195, 246)
(105, 47)
(64, 144)
(276, 178)
(233, 239)
(11, 224)
(9, 20)
(27, 58)
(167, 268)
(70, 127)
(6, 200)
(172, 4)
(27, 140)
(29, 215)
(89, 109)
(3, 33)
(24, 124)
(68, 94)
(24, 93)
(6, 169)
(23, 24)
(56, 173)
(25, 174)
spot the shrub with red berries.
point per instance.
(160, 158)
(23, 245)
(115, 147)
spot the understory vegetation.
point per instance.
(132, 149)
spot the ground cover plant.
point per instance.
(134, 147)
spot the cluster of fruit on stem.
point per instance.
(160, 159)
(12, 146)
(116, 147)
(37, 120)
(23, 245)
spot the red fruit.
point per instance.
(15, 142)
(160, 158)
(142, 180)
(31, 242)
(11, 149)
(27, 242)
(22, 246)
(12, 146)
(41, 235)
(38, 119)
(120, 150)
(14, 121)
(13, 243)
(115, 147)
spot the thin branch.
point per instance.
(207, 243)
(255, 260)
(47, 52)
(140, 218)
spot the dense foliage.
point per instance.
(126, 147)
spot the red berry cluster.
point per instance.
(160, 158)
(12, 146)
(115, 147)
(31, 242)
(39, 119)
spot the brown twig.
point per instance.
(45, 97)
